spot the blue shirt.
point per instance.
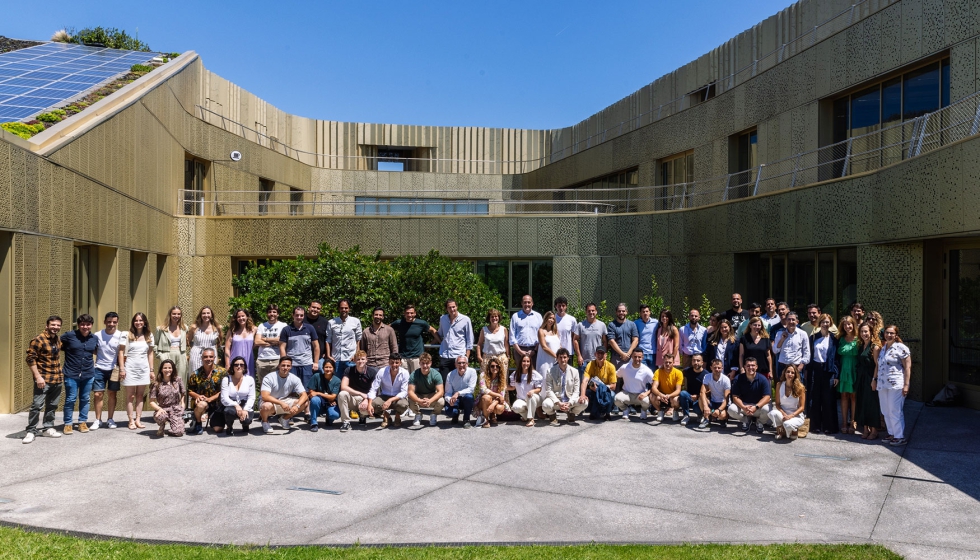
(457, 336)
(693, 340)
(623, 334)
(751, 392)
(462, 384)
(78, 351)
(648, 342)
(299, 343)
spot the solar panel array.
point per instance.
(44, 76)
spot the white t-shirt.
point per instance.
(267, 330)
(523, 386)
(635, 380)
(717, 388)
(567, 327)
(108, 352)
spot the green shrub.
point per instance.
(140, 68)
(25, 131)
(110, 37)
(52, 116)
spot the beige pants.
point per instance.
(344, 402)
(398, 408)
(527, 408)
(436, 406)
(289, 402)
(263, 368)
(411, 364)
(624, 399)
(550, 406)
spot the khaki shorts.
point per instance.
(289, 401)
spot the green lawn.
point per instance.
(17, 543)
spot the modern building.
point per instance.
(828, 154)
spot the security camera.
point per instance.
(236, 155)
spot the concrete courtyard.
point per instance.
(618, 481)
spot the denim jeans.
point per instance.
(464, 404)
(650, 360)
(304, 373)
(686, 402)
(340, 367)
(81, 390)
(319, 404)
(47, 399)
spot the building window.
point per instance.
(513, 279)
(826, 277)
(743, 163)
(394, 206)
(398, 158)
(266, 187)
(295, 202)
(675, 172)
(701, 95)
(195, 183)
(608, 193)
(964, 316)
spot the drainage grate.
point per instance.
(317, 490)
(831, 457)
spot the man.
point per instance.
(408, 331)
(109, 339)
(524, 327)
(792, 346)
(354, 387)
(314, 316)
(282, 394)
(637, 380)
(298, 341)
(714, 395)
(591, 336)
(455, 337)
(459, 390)
(567, 325)
(425, 390)
(267, 341)
(44, 359)
(693, 337)
(693, 380)
(389, 391)
(323, 391)
(79, 346)
(771, 317)
(668, 391)
(599, 384)
(782, 309)
(813, 315)
(204, 388)
(755, 310)
(379, 340)
(751, 394)
(646, 328)
(562, 392)
(736, 314)
(345, 334)
(622, 337)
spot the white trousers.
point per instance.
(527, 408)
(549, 406)
(791, 425)
(624, 399)
(761, 414)
(892, 402)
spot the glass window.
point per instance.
(964, 316)
(841, 119)
(891, 101)
(846, 279)
(800, 280)
(520, 282)
(920, 91)
(541, 284)
(865, 111)
(495, 274)
(513, 279)
(779, 277)
(826, 282)
(265, 191)
(944, 84)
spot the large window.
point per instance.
(827, 277)
(743, 160)
(266, 187)
(675, 170)
(608, 193)
(195, 182)
(394, 206)
(513, 279)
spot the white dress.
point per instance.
(545, 360)
(202, 340)
(137, 365)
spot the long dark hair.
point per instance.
(174, 376)
(520, 369)
(146, 326)
(235, 360)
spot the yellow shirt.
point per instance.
(669, 380)
(607, 375)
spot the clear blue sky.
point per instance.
(502, 64)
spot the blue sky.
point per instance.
(502, 64)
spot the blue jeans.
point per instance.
(464, 404)
(319, 404)
(80, 390)
(650, 360)
(581, 370)
(304, 373)
(340, 366)
(687, 402)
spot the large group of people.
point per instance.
(746, 366)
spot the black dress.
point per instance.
(759, 351)
(867, 408)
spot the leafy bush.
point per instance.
(109, 37)
(705, 308)
(367, 281)
(53, 116)
(25, 131)
(140, 68)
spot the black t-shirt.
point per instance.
(736, 317)
(694, 380)
(758, 351)
(361, 381)
(321, 326)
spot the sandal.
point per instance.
(139, 425)
(873, 434)
(530, 423)
(132, 425)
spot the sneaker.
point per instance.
(111, 424)
(68, 429)
(455, 419)
(409, 414)
(554, 420)
(676, 415)
(284, 422)
(571, 418)
(704, 423)
(467, 425)
(361, 419)
(29, 438)
(685, 420)
(96, 425)
(479, 421)
(759, 427)
(83, 427)
(794, 435)
(266, 428)
(345, 426)
(417, 423)
(432, 419)
(198, 429)
(51, 432)
(745, 425)
(643, 415)
(355, 416)
(898, 442)
(314, 428)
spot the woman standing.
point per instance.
(787, 415)
(204, 333)
(756, 344)
(892, 383)
(847, 351)
(823, 378)
(171, 344)
(721, 346)
(867, 413)
(492, 344)
(526, 383)
(238, 395)
(493, 394)
(240, 341)
(668, 337)
(136, 367)
(167, 399)
(548, 343)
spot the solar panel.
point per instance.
(46, 75)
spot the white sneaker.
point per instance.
(51, 432)
(684, 421)
(29, 437)
(704, 423)
(660, 416)
(643, 415)
(408, 415)
(266, 428)
(417, 423)
(95, 425)
(676, 415)
(111, 424)
(284, 422)
(432, 419)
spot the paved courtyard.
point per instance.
(619, 481)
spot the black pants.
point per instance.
(446, 365)
(823, 402)
(231, 414)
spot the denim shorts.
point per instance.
(102, 381)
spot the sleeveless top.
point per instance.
(202, 340)
(789, 403)
(494, 344)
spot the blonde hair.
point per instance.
(763, 331)
(554, 323)
(840, 328)
(797, 388)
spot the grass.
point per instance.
(18, 543)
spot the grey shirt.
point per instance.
(281, 388)
(591, 336)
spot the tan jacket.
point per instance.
(553, 387)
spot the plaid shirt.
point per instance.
(45, 353)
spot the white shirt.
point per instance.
(796, 349)
(717, 388)
(891, 371)
(523, 386)
(771, 321)
(524, 328)
(270, 330)
(230, 396)
(635, 380)
(385, 385)
(693, 340)
(567, 326)
(820, 348)
(108, 352)
(343, 336)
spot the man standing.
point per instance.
(459, 390)
(79, 346)
(282, 394)
(267, 341)
(204, 388)
(354, 387)
(771, 317)
(105, 363)
(813, 316)
(637, 381)
(792, 346)
(298, 341)
(425, 390)
(591, 336)
(646, 328)
(44, 359)
(323, 391)
(524, 327)
(456, 337)
(409, 331)
(379, 340)
(389, 391)
(755, 310)
(693, 337)
(751, 394)
(736, 314)
(345, 334)
(562, 392)
(714, 395)
(314, 316)
(567, 325)
(623, 337)
(600, 379)
(782, 309)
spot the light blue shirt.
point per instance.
(648, 342)
(462, 384)
(524, 328)
(693, 340)
(457, 336)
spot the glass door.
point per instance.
(963, 320)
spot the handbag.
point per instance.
(804, 429)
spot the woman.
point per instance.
(822, 378)
(135, 367)
(892, 383)
(526, 383)
(713, 321)
(668, 337)
(204, 333)
(867, 413)
(238, 395)
(167, 400)
(240, 341)
(171, 343)
(847, 352)
(492, 344)
(548, 343)
(756, 344)
(721, 346)
(493, 394)
(787, 415)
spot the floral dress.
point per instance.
(494, 386)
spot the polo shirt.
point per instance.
(425, 384)
(78, 351)
(591, 336)
(670, 380)
(647, 332)
(622, 333)
(358, 381)
(751, 392)
(607, 374)
(409, 336)
(299, 343)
